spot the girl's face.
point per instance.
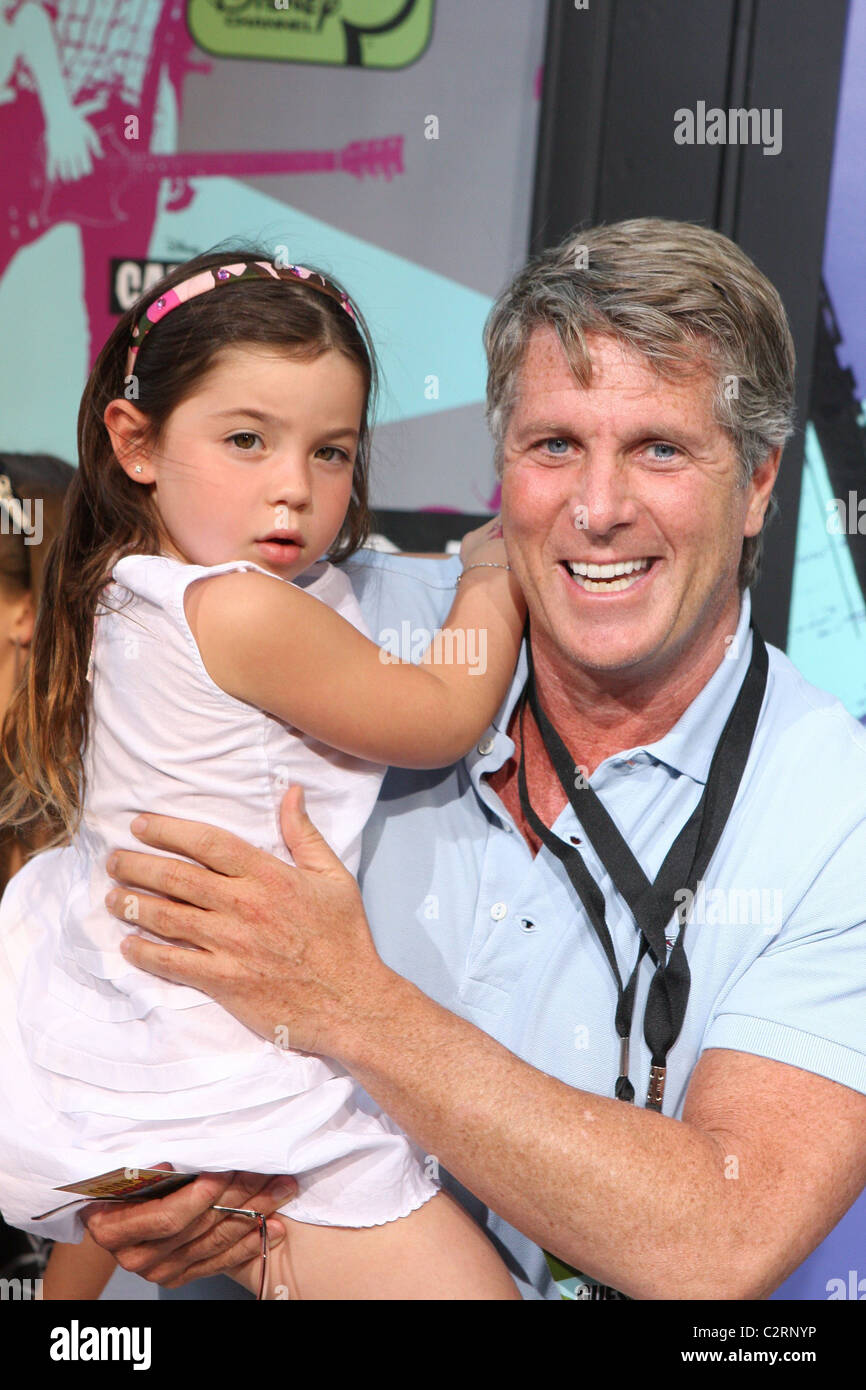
(257, 464)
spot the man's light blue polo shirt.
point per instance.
(777, 941)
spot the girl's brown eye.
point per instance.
(244, 440)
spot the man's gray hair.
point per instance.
(683, 297)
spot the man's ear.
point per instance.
(127, 427)
(760, 487)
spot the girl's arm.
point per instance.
(285, 651)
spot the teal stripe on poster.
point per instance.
(45, 357)
(827, 629)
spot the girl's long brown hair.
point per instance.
(39, 481)
(107, 515)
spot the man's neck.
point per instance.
(598, 714)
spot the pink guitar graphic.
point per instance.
(72, 73)
(121, 166)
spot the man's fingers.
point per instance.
(249, 1247)
(216, 1242)
(160, 1218)
(180, 965)
(171, 878)
(209, 845)
(270, 1192)
(161, 1238)
(143, 1258)
(174, 921)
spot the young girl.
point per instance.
(194, 656)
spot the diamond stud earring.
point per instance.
(138, 468)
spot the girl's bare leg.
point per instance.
(437, 1252)
(77, 1271)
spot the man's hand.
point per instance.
(285, 949)
(172, 1240)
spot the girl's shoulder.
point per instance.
(163, 580)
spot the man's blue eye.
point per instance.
(556, 440)
(671, 454)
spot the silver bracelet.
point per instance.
(480, 565)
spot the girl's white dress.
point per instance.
(103, 1065)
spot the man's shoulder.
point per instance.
(819, 718)
(393, 589)
(810, 752)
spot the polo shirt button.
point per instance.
(486, 745)
(498, 911)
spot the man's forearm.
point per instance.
(636, 1199)
(631, 1197)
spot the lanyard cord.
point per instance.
(651, 904)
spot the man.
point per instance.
(640, 393)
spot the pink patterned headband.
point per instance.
(208, 279)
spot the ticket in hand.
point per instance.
(123, 1185)
(129, 1182)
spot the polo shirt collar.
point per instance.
(686, 748)
(689, 746)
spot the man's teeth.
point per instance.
(607, 578)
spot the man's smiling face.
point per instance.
(635, 473)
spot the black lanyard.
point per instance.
(651, 904)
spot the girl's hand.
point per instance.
(484, 545)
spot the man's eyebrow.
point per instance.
(552, 429)
(265, 418)
(546, 427)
